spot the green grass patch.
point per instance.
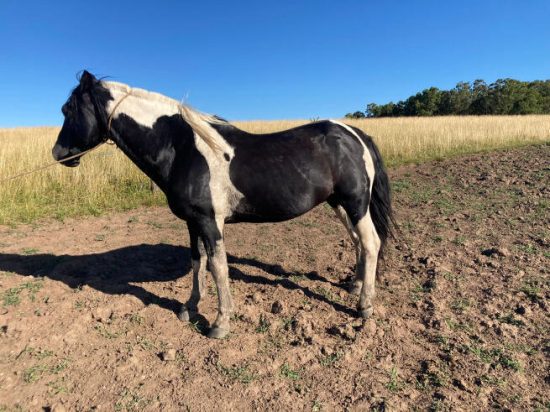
(35, 372)
(459, 305)
(394, 385)
(510, 319)
(533, 289)
(495, 356)
(330, 360)
(287, 372)
(400, 186)
(136, 319)
(131, 401)
(106, 333)
(263, 325)
(327, 294)
(38, 353)
(237, 373)
(12, 296)
(58, 386)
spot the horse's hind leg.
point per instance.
(198, 262)
(357, 282)
(370, 247)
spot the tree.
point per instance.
(355, 115)
(481, 103)
(504, 96)
(461, 98)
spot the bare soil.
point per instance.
(87, 309)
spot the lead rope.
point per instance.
(106, 140)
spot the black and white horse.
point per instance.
(213, 173)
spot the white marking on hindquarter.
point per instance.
(367, 158)
(141, 105)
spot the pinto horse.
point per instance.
(213, 173)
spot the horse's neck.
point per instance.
(136, 129)
(142, 106)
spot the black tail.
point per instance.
(380, 202)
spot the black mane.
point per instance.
(99, 97)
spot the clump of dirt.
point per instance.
(87, 310)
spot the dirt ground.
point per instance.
(87, 309)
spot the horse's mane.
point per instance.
(200, 122)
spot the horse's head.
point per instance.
(85, 124)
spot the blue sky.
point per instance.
(264, 59)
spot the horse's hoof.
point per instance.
(218, 333)
(185, 314)
(366, 313)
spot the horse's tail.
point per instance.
(380, 200)
(380, 203)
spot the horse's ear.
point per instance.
(87, 79)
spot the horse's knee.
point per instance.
(355, 286)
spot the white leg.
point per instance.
(220, 272)
(370, 242)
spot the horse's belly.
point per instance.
(277, 206)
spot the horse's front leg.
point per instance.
(209, 232)
(217, 259)
(198, 262)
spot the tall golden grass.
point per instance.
(107, 180)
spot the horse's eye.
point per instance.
(64, 109)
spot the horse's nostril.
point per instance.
(59, 152)
(55, 153)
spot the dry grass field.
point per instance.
(106, 180)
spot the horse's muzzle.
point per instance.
(60, 153)
(71, 163)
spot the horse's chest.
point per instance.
(210, 194)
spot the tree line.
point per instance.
(504, 96)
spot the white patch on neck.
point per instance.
(142, 106)
(369, 163)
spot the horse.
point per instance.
(213, 174)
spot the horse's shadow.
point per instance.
(117, 271)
